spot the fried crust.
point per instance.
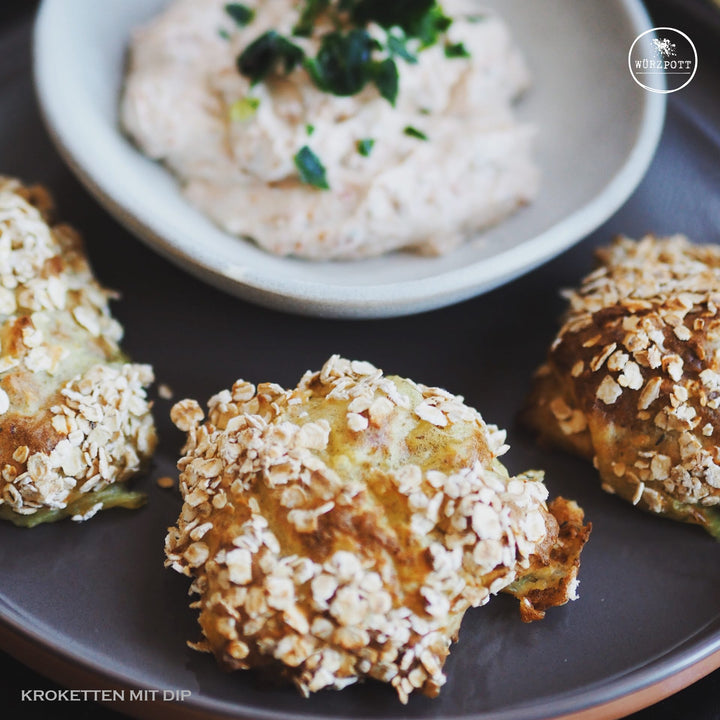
(551, 579)
(632, 381)
(73, 414)
(341, 529)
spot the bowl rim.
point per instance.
(303, 296)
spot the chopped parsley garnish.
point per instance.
(387, 79)
(263, 56)
(397, 46)
(343, 63)
(244, 109)
(415, 133)
(224, 34)
(312, 171)
(431, 26)
(346, 60)
(457, 50)
(406, 14)
(312, 10)
(364, 147)
(241, 14)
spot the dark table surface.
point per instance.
(701, 701)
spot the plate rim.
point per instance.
(658, 669)
(353, 301)
(631, 691)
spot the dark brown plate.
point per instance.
(93, 602)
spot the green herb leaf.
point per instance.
(397, 48)
(431, 26)
(342, 65)
(391, 13)
(312, 171)
(415, 133)
(309, 129)
(423, 19)
(387, 80)
(241, 14)
(263, 55)
(224, 34)
(244, 109)
(312, 10)
(364, 147)
(457, 50)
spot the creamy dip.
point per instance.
(448, 160)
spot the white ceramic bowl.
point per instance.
(597, 134)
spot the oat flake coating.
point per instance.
(633, 378)
(74, 418)
(342, 529)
